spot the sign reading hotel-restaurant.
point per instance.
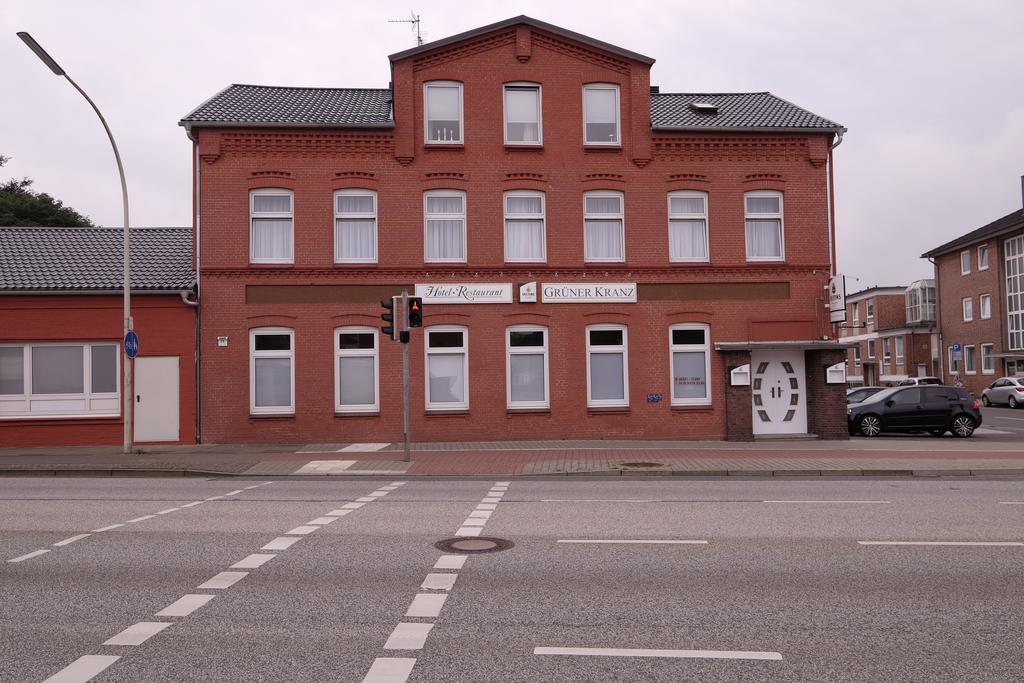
(456, 293)
(553, 293)
(587, 293)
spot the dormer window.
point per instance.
(601, 114)
(442, 121)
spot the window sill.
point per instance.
(272, 416)
(431, 146)
(368, 413)
(459, 412)
(703, 408)
(356, 264)
(261, 264)
(608, 410)
(527, 411)
(591, 147)
(79, 417)
(523, 147)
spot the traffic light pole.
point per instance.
(405, 372)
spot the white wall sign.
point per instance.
(528, 293)
(835, 374)
(837, 299)
(589, 293)
(456, 293)
(740, 377)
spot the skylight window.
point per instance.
(704, 107)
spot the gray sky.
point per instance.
(932, 92)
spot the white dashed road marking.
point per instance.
(426, 605)
(439, 582)
(408, 636)
(69, 541)
(82, 669)
(253, 561)
(138, 633)
(625, 652)
(302, 530)
(322, 520)
(966, 543)
(185, 605)
(224, 580)
(282, 543)
(29, 556)
(450, 562)
(390, 670)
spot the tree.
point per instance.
(21, 206)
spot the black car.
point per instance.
(932, 409)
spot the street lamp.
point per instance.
(126, 283)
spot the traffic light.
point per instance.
(389, 317)
(415, 311)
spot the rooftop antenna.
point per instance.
(415, 21)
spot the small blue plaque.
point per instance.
(654, 398)
(131, 344)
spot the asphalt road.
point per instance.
(1004, 419)
(748, 580)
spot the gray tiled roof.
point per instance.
(262, 105)
(738, 111)
(90, 259)
(1011, 222)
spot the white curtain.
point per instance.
(273, 382)
(603, 204)
(271, 238)
(524, 240)
(689, 374)
(446, 239)
(764, 239)
(688, 239)
(356, 239)
(104, 369)
(356, 383)
(447, 378)
(12, 371)
(603, 239)
(762, 204)
(601, 114)
(523, 204)
(443, 113)
(522, 115)
(444, 204)
(58, 370)
(272, 203)
(686, 205)
(606, 377)
(355, 203)
(526, 377)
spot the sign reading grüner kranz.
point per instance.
(588, 292)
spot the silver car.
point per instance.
(1008, 390)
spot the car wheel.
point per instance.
(963, 426)
(984, 401)
(936, 432)
(869, 425)
(1012, 402)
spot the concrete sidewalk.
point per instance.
(893, 456)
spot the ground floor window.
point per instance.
(970, 363)
(988, 359)
(59, 380)
(447, 351)
(607, 366)
(954, 361)
(271, 371)
(899, 350)
(690, 364)
(356, 370)
(526, 366)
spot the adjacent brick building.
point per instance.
(980, 278)
(597, 259)
(894, 332)
(60, 342)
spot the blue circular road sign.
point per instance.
(131, 344)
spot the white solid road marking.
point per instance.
(439, 582)
(224, 580)
(468, 531)
(426, 605)
(628, 652)
(302, 530)
(185, 605)
(833, 502)
(214, 498)
(363, 448)
(141, 519)
(450, 562)
(408, 636)
(82, 669)
(138, 633)
(107, 528)
(633, 540)
(390, 670)
(253, 561)
(69, 541)
(322, 520)
(29, 556)
(282, 543)
(601, 500)
(168, 511)
(192, 504)
(234, 493)
(338, 513)
(1011, 502)
(968, 543)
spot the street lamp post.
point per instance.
(126, 282)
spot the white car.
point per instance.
(1008, 390)
(915, 381)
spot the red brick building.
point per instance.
(60, 343)
(894, 332)
(980, 277)
(597, 259)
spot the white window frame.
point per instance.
(856, 313)
(618, 115)
(20, 406)
(954, 364)
(622, 349)
(254, 354)
(526, 351)
(253, 215)
(886, 350)
(689, 217)
(869, 311)
(428, 352)
(968, 308)
(965, 262)
(621, 217)
(988, 368)
(872, 349)
(982, 263)
(339, 215)
(856, 356)
(900, 351)
(985, 311)
(340, 353)
(445, 217)
(970, 360)
(523, 85)
(780, 216)
(542, 216)
(690, 348)
(426, 121)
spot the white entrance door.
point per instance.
(156, 398)
(779, 392)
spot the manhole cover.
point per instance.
(642, 464)
(473, 544)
